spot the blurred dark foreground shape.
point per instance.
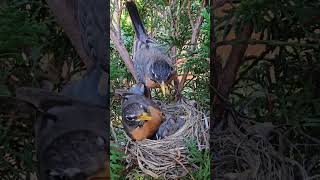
(71, 130)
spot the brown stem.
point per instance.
(175, 20)
(190, 14)
(226, 78)
(181, 85)
(123, 52)
(196, 26)
(115, 36)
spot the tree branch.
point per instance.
(226, 78)
(197, 24)
(115, 36)
(175, 20)
(123, 52)
(189, 14)
(266, 42)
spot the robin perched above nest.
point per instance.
(151, 62)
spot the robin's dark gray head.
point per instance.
(135, 110)
(160, 71)
(132, 114)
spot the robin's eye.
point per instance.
(140, 124)
(131, 117)
(145, 109)
(154, 75)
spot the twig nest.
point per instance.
(168, 157)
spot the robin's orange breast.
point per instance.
(150, 127)
(150, 83)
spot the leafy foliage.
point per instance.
(289, 77)
(280, 84)
(116, 161)
(200, 158)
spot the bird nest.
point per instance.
(168, 157)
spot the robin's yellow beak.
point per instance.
(145, 117)
(164, 88)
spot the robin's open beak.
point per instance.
(144, 117)
(164, 88)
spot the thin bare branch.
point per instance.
(123, 52)
(115, 35)
(190, 14)
(197, 24)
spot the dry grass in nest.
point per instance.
(168, 157)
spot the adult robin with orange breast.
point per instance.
(151, 62)
(141, 117)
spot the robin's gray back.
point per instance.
(145, 55)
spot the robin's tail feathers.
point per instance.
(136, 21)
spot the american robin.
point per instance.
(141, 117)
(152, 63)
